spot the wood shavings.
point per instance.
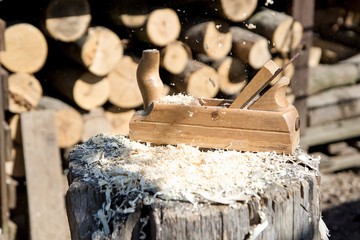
(269, 2)
(250, 26)
(132, 173)
(179, 99)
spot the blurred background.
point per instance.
(78, 58)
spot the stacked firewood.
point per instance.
(79, 59)
(333, 100)
(86, 72)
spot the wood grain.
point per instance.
(43, 172)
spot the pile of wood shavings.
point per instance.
(131, 173)
(178, 98)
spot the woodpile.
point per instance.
(88, 66)
(79, 59)
(333, 100)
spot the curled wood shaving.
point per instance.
(132, 174)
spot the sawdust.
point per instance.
(132, 173)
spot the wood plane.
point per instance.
(257, 120)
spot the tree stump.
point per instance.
(120, 189)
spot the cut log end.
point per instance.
(25, 92)
(20, 54)
(163, 27)
(204, 82)
(67, 20)
(128, 13)
(119, 119)
(287, 36)
(91, 91)
(124, 89)
(238, 10)
(232, 75)
(175, 56)
(216, 44)
(101, 51)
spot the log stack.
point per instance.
(333, 87)
(84, 64)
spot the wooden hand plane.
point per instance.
(256, 120)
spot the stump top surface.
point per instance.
(131, 176)
(187, 173)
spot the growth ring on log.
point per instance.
(26, 48)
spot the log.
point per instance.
(232, 75)
(315, 55)
(99, 50)
(162, 27)
(95, 122)
(341, 148)
(119, 119)
(284, 32)
(333, 52)
(326, 76)
(210, 38)
(273, 211)
(230, 10)
(25, 92)
(235, 11)
(16, 166)
(175, 56)
(5, 146)
(2, 35)
(128, 13)
(67, 20)
(46, 204)
(124, 89)
(330, 132)
(83, 88)
(15, 129)
(249, 47)
(198, 80)
(69, 123)
(340, 163)
(288, 72)
(11, 188)
(26, 48)
(334, 104)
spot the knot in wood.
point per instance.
(215, 115)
